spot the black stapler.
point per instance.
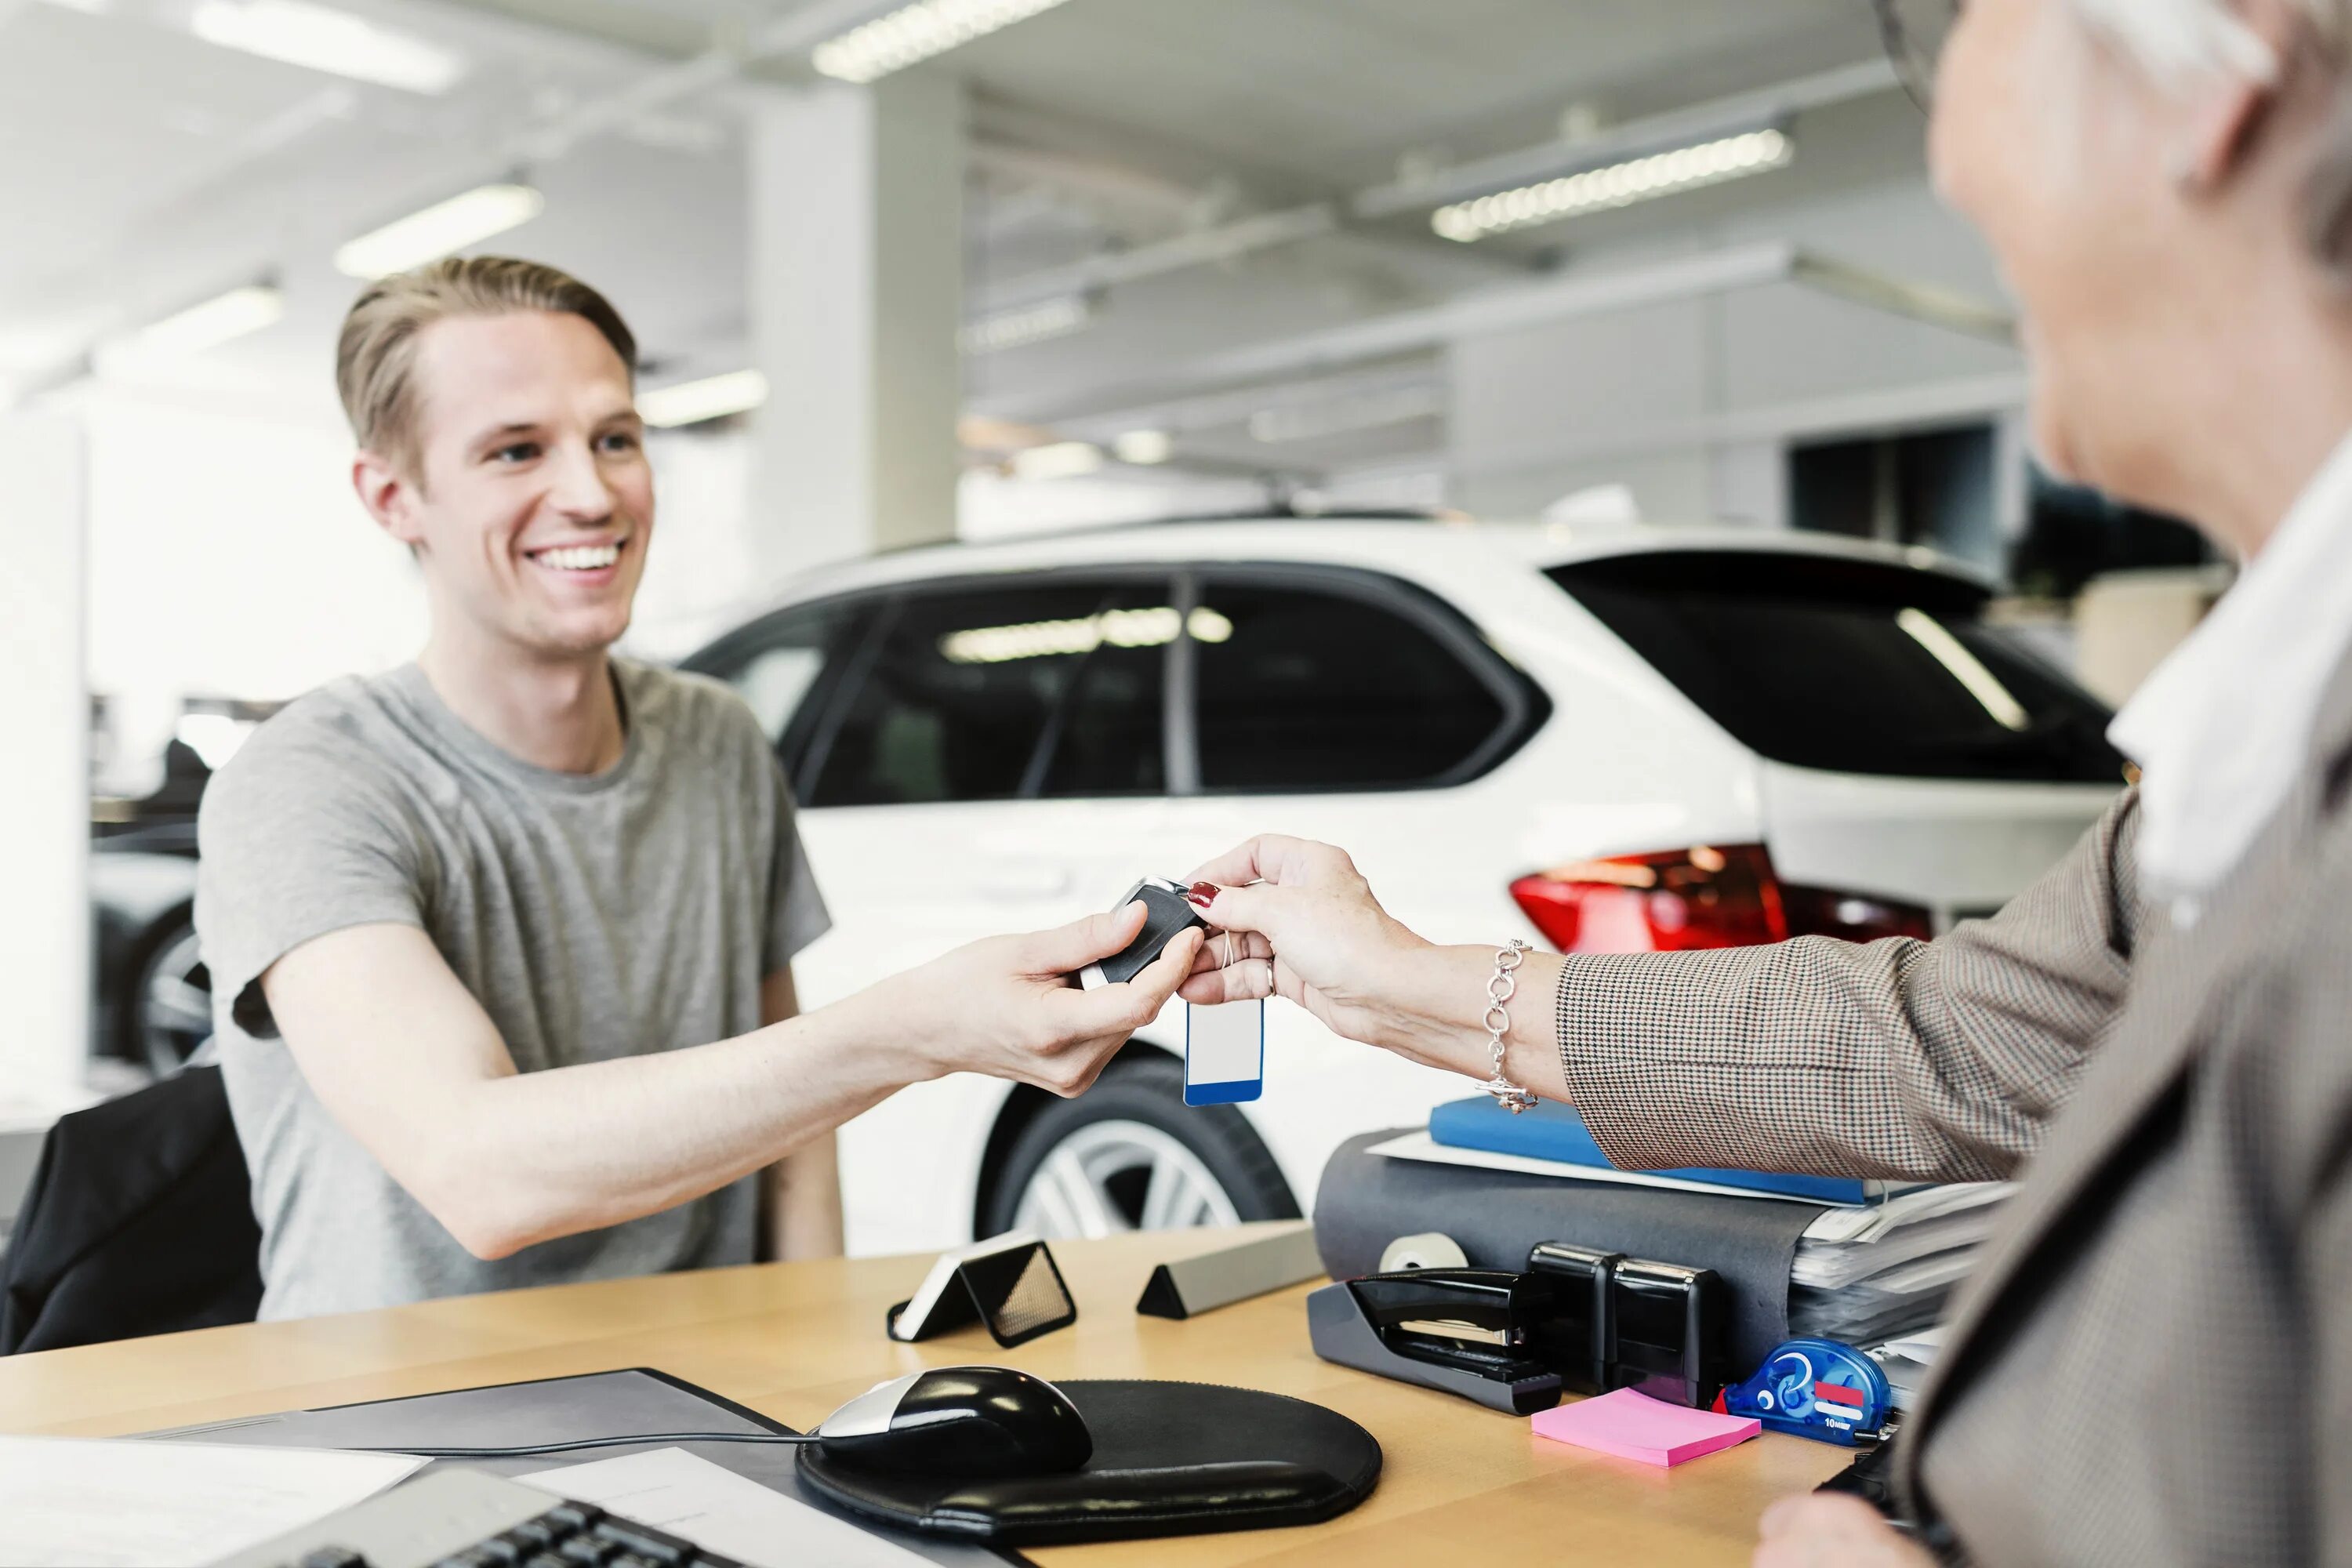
(1477, 1332)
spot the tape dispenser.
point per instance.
(1818, 1389)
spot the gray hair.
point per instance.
(2182, 39)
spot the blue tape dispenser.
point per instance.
(1816, 1388)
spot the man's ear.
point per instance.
(389, 495)
(2229, 108)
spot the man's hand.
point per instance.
(1005, 1007)
(1831, 1531)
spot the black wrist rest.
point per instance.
(1170, 1458)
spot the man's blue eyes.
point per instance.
(523, 451)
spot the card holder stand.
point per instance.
(1231, 1274)
(1012, 1287)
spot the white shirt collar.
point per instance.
(2223, 728)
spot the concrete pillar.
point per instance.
(857, 270)
(45, 929)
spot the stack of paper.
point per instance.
(95, 1503)
(1868, 1274)
(1907, 1361)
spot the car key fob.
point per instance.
(1170, 913)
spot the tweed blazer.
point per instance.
(2151, 1362)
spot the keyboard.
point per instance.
(470, 1518)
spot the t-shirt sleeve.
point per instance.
(294, 843)
(796, 912)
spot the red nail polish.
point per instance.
(1203, 894)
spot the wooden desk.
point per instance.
(794, 1340)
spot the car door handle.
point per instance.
(1023, 881)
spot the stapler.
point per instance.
(1476, 1333)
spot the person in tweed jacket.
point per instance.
(2152, 1363)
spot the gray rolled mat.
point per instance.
(1367, 1201)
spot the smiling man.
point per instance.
(500, 941)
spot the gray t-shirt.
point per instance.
(635, 911)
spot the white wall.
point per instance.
(43, 769)
(228, 557)
(1688, 402)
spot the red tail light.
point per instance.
(1685, 899)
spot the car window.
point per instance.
(996, 693)
(1852, 667)
(1301, 688)
(783, 667)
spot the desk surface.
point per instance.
(795, 1340)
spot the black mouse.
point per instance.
(960, 1421)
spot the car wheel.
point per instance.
(1128, 1154)
(172, 1004)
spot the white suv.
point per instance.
(1649, 739)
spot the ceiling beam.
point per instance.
(1591, 293)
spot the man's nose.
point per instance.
(577, 487)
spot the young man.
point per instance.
(500, 941)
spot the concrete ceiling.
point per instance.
(143, 168)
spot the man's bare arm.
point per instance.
(800, 1195)
(406, 1059)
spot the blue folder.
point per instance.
(1553, 1131)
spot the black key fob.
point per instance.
(1171, 914)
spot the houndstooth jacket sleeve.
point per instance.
(1940, 1060)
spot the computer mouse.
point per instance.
(976, 1421)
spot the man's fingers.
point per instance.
(1122, 1009)
(1067, 949)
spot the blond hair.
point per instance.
(376, 357)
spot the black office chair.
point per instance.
(139, 1221)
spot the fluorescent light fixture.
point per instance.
(1616, 185)
(1026, 324)
(194, 330)
(916, 32)
(1153, 627)
(1966, 667)
(713, 397)
(1062, 460)
(1144, 447)
(439, 230)
(325, 39)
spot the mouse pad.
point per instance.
(1170, 1458)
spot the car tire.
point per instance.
(168, 1013)
(1128, 1154)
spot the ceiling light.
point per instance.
(1965, 668)
(194, 330)
(1616, 185)
(1027, 324)
(1062, 460)
(1154, 627)
(713, 397)
(438, 230)
(1144, 447)
(916, 32)
(337, 42)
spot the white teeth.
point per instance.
(580, 557)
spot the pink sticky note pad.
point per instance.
(1634, 1426)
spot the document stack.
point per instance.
(1870, 1274)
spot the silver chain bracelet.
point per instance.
(1498, 1022)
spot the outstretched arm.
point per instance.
(1941, 1060)
(407, 1062)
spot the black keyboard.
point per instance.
(467, 1519)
